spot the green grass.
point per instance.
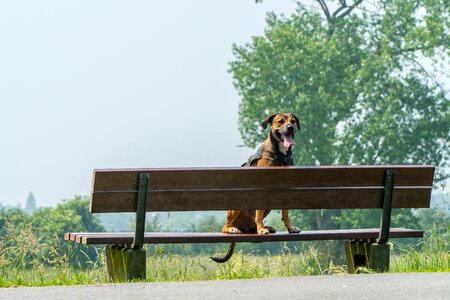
(240, 266)
(430, 255)
(161, 267)
(26, 262)
(45, 276)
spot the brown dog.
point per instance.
(275, 151)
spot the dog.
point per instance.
(275, 151)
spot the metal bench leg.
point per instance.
(125, 264)
(371, 255)
(129, 263)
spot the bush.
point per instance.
(41, 236)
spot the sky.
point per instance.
(111, 84)
(118, 84)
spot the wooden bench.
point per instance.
(202, 189)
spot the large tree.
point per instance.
(366, 79)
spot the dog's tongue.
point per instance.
(288, 141)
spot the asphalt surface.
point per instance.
(377, 286)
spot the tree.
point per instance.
(358, 80)
(70, 216)
(14, 216)
(41, 235)
(30, 206)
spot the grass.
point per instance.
(240, 266)
(430, 255)
(26, 262)
(192, 268)
(161, 267)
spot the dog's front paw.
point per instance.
(266, 230)
(233, 230)
(294, 229)
(263, 231)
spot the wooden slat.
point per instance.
(217, 178)
(186, 238)
(268, 188)
(320, 198)
(72, 236)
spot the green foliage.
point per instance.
(24, 260)
(432, 257)
(360, 92)
(356, 78)
(69, 216)
(14, 216)
(27, 259)
(206, 224)
(369, 218)
(45, 228)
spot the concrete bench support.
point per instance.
(125, 264)
(366, 254)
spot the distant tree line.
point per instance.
(46, 227)
(40, 235)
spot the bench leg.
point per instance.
(370, 255)
(125, 264)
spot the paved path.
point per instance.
(379, 286)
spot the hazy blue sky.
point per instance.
(109, 84)
(106, 84)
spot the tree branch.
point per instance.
(325, 10)
(332, 18)
(427, 74)
(344, 6)
(412, 49)
(350, 8)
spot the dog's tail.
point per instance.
(227, 256)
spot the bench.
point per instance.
(207, 189)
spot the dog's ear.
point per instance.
(268, 120)
(296, 121)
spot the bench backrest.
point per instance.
(200, 189)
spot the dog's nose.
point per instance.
(290, 128)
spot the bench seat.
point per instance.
(108, 238)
